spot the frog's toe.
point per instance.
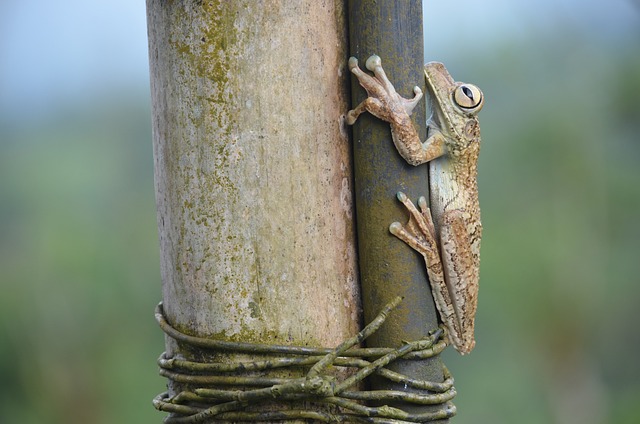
(353, 63)
(395, 228)
(351, 118)
(373, 62)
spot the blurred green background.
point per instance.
(557, 326)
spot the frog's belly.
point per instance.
(444, 190)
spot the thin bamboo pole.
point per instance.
(391, 29)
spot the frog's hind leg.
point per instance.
(419, 233)
(460, 241)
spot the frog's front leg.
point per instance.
(383, 101)
(386, 104)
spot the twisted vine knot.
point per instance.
(211, 390)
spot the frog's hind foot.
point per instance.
(419, 232)
(373, 62)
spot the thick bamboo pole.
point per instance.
(253, 170)
(393, 30)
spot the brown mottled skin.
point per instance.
(448, 233)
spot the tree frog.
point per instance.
(447, 232)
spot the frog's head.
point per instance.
(454, 106)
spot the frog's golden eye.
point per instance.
(468, 96)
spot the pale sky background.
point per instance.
(52, 52)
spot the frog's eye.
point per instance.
(468, 96)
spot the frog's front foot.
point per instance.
(383, 101)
